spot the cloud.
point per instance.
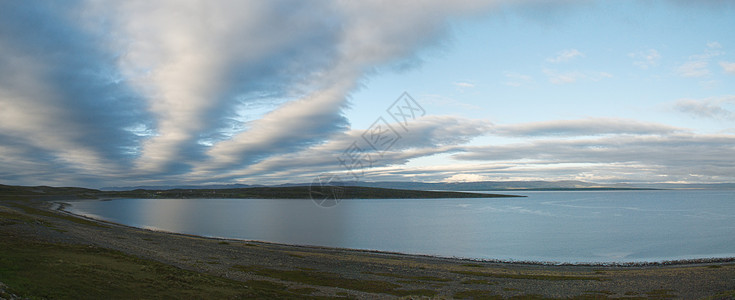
(728, 67)
(713, 45)
(645, 59)
(698, 64)
(556, 77)
(466, 178)
(563, 78)
(439, 100)
(516, 80)
(195, 63)
(675, 157)
(709, 108)
(172, 92)
(584, 127)
(464, 84)
(62, 97)
(163, 91)
(565, 55)
(425, 136)
(693, 69)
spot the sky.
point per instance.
(128, 93)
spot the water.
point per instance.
(599, 226)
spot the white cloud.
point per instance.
(565, 55)
(153, 91)
(698, 64)
(516, 79)
(170, 92)
(675, 157)
(714, 45)
(710, 108)
(697, 68)
(556, 77)
(440, 100)
(564, 77)
(584, 127)
(464, 84)
(466, 178)
(728, 67)
(425, 136)
(645, 59)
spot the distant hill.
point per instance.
(704, 186)
(284, 192)
(406, 185)
(465, 186)
(171, 187)
(494, 185)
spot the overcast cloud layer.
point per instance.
(192, 92)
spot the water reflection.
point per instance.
(546, 226)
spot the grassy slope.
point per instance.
(43, 270)
(46, 270)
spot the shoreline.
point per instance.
(312, 271)
(704, 261)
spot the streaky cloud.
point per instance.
(708, 108)
(683, 156)
(584, 127)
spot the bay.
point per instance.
(563, 226)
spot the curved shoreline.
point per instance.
(311, 271)
(623, 264)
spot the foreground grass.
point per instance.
(40, 212)
(334, 280)
(529, 276)
(60, 271)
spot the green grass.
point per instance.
(473, 265)
(477, 294)
(45, 213)
(303, 291)
(478, 281)
(59, 271)
(416, 292)
(333, 280)
(724, 295)
(9, 218)
(660, 294)
(422, 278)
(603, 292)
(528, 276)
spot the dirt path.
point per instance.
(362, 274)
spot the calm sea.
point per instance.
(599, 226)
